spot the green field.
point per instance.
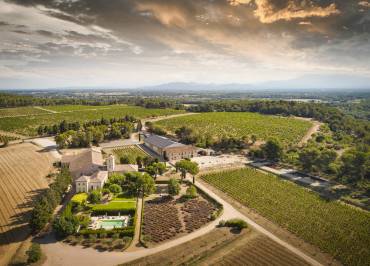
(338, 229)
(27, 125)
(132, 152)
(288, 130)
(21, 111)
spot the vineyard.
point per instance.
(9, 112)
(288, 130)
(27, 125)
(68, 108)
(4, 138)
(335, 228)
(22, 176)
(260, 250)
(130, 152)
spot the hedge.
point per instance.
(127, 231)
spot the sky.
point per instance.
(133, 43)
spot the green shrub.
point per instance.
(114, 188)
(34, 253)
(94, 197)
(173, 187)
(236, 223)
(191, 192)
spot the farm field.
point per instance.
(288, 130)
(21, 111)
(22, 177)
(131, 152)
(335, 228)
(27, 125)
(220, 243)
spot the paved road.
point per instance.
(62, 254)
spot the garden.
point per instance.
(183, 210)
(104, 219)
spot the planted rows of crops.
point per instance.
(129, 152)
(260, 251)
(22, 177)
(338, 229)
(8, 112)
(222, 124)
(6, 138)
(27, 125)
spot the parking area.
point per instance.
(222, 161)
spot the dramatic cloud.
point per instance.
(138, 42)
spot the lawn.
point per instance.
(336, 228)
(27, 125)
(235, 124)
(131, 152)
(79, 198)
(115, 206)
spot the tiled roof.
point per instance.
(84, 161)
(99, 176)
(162, 142)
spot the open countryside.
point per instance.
(173, 133)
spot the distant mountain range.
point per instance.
(301, 83)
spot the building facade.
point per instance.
(169, 149)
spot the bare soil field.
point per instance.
(23, 169)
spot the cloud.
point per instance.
(268, 12)
(364, 4)
(168, 15)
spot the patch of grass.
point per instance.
(336, 228)
(115, 206)
(130, 152)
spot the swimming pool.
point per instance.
(110, 224)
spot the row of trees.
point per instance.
(72, 135)
(48, 201)
(65, 126)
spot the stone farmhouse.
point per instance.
(169, 149)
(89, 171)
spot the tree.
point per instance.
(124, 159)
(355, 166)
(94, 197)
(273, 150)
(139, 126)
(117, 178)
(145, 184)
(173, 187)
(139, 161)
(40, 215)
(33, 253)
(114, 188)
(67, 223)
(187, 166)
